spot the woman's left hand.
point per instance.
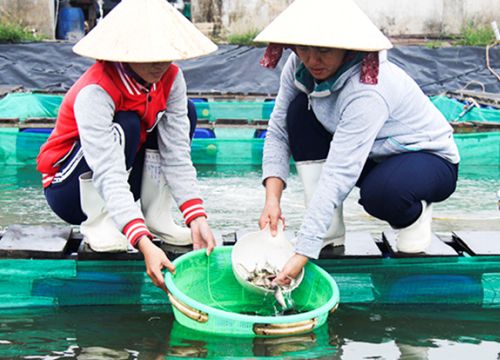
(291, 270)
(202, 234)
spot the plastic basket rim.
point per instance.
(330, 304)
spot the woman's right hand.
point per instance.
(156, 260)
(271, 215)
(272, 210)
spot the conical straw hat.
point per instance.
(325, 23)
(144, 31)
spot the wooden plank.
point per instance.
(46, 123)
(229, 239)
(9, 122)
(479, 242)
(482, 97)
(35, 241)
(6, 89)
(466, 127)
(172, 251)
(86, 253)
(436, 248)
(357, 245)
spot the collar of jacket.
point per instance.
(306, 83)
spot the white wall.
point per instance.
(394, 17)
(36, 15)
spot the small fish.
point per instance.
(263, 277)
(278, 295)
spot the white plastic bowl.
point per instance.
(257, 248)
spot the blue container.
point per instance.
(201, 133)
(70, 24)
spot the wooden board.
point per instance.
(436, 248)
(357, 245)
(172, 251)
(479, 242)
(35, 241)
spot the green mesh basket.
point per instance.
(207, 297)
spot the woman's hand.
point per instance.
(156, 260)
(291, 270)
(271, 215)
(202, 235)
(272, 210)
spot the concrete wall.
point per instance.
(36, 15)
(394, 17)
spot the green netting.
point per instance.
(27, 105)
(456, 280)
(240, 110)
(452, 110)
(39, 283)
(482, 149)
(239, 147)
(453, 281)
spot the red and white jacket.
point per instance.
(86, 114)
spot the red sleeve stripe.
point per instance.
(193, 215)
(190, 203)
(192, 209)
(135, 229)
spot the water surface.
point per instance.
(234, 198)
(353, 332)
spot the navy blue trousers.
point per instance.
(390, 190)
(63, 195)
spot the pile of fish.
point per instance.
(263, 277)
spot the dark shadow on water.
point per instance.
(132, 332)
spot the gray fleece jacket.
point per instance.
(94, 111)
(368, 121)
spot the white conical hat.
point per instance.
(325, 23)
(144, 31)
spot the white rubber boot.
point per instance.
(156, 203)
(99, 231)
(309, 173)
(416, 237)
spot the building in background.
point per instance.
(219, 18)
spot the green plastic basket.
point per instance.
(207, 297)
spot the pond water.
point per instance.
(234, 198)
(352, 332)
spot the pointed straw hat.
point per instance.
(144, 31)
(325, 23)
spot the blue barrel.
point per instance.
(70, 24)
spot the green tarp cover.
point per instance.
(27, 105)
(32, 105)
(453, 110)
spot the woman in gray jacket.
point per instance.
(349, 117)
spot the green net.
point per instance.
(453, 110)
(27, 105)
(234, 146)
(239, 110)
(453, 281)
(468, 281)
(33, 105)
(238, 147)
